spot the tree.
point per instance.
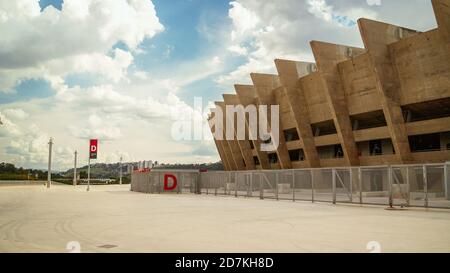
(83, 175)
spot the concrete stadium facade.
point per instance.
(387, 103)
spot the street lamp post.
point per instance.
(120, 171)
(49, 173)
(89, 174)
(75, 169)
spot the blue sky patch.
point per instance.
(27, 90)
(45, 3)
(83, 80)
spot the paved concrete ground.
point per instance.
(113, 219)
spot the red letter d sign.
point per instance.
(93, 149)
(166, 182)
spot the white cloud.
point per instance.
(130, 112)
(78, 38)
(15, 113)
(122, 120)
(30, 148)
(238, 50)
(244, 20)
(80, 27)
(266, 30)
(216, 61)
(242, 73)
(8, 128)
(112, 68)
(97, 127)
(141, 75)
(321, 9)
(168, 51)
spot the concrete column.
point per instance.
(247, 96)
(289, 73)
(235, 152)
(376, 37)
(244, 144)
(442, 12)
(327, 58)
(220, 147)
(265, 85)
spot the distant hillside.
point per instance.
(99, 170)
(210, 166)
(10, 172)
(103, 170)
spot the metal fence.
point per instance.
(153, 182)
(402, 185)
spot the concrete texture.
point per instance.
(399, 73)
(113, 219)
(244, 145)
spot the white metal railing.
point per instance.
(395, 185)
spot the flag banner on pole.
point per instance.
(93, 149)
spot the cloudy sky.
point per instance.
(124, 71)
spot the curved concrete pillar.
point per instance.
(233, 145)
(289, 73)
(376, 37)
(327, 58)
(219, 145)
(247, 96)
(265, 86)
(244, 144)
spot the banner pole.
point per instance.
(75, 169)
(49, 171)
(89, 173)
(120, 179)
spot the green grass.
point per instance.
(12, 176)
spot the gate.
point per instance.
(342, 185)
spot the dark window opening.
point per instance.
(256, 160)
(323, 128)
(375, 147)
(251, 145)
(445, 140)
(291, 135)
(330, 152)
(338, 151)
(425, 143)
(296, 155)
(273, 158)
(368, 120)
(267, 139)
(427, 110)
